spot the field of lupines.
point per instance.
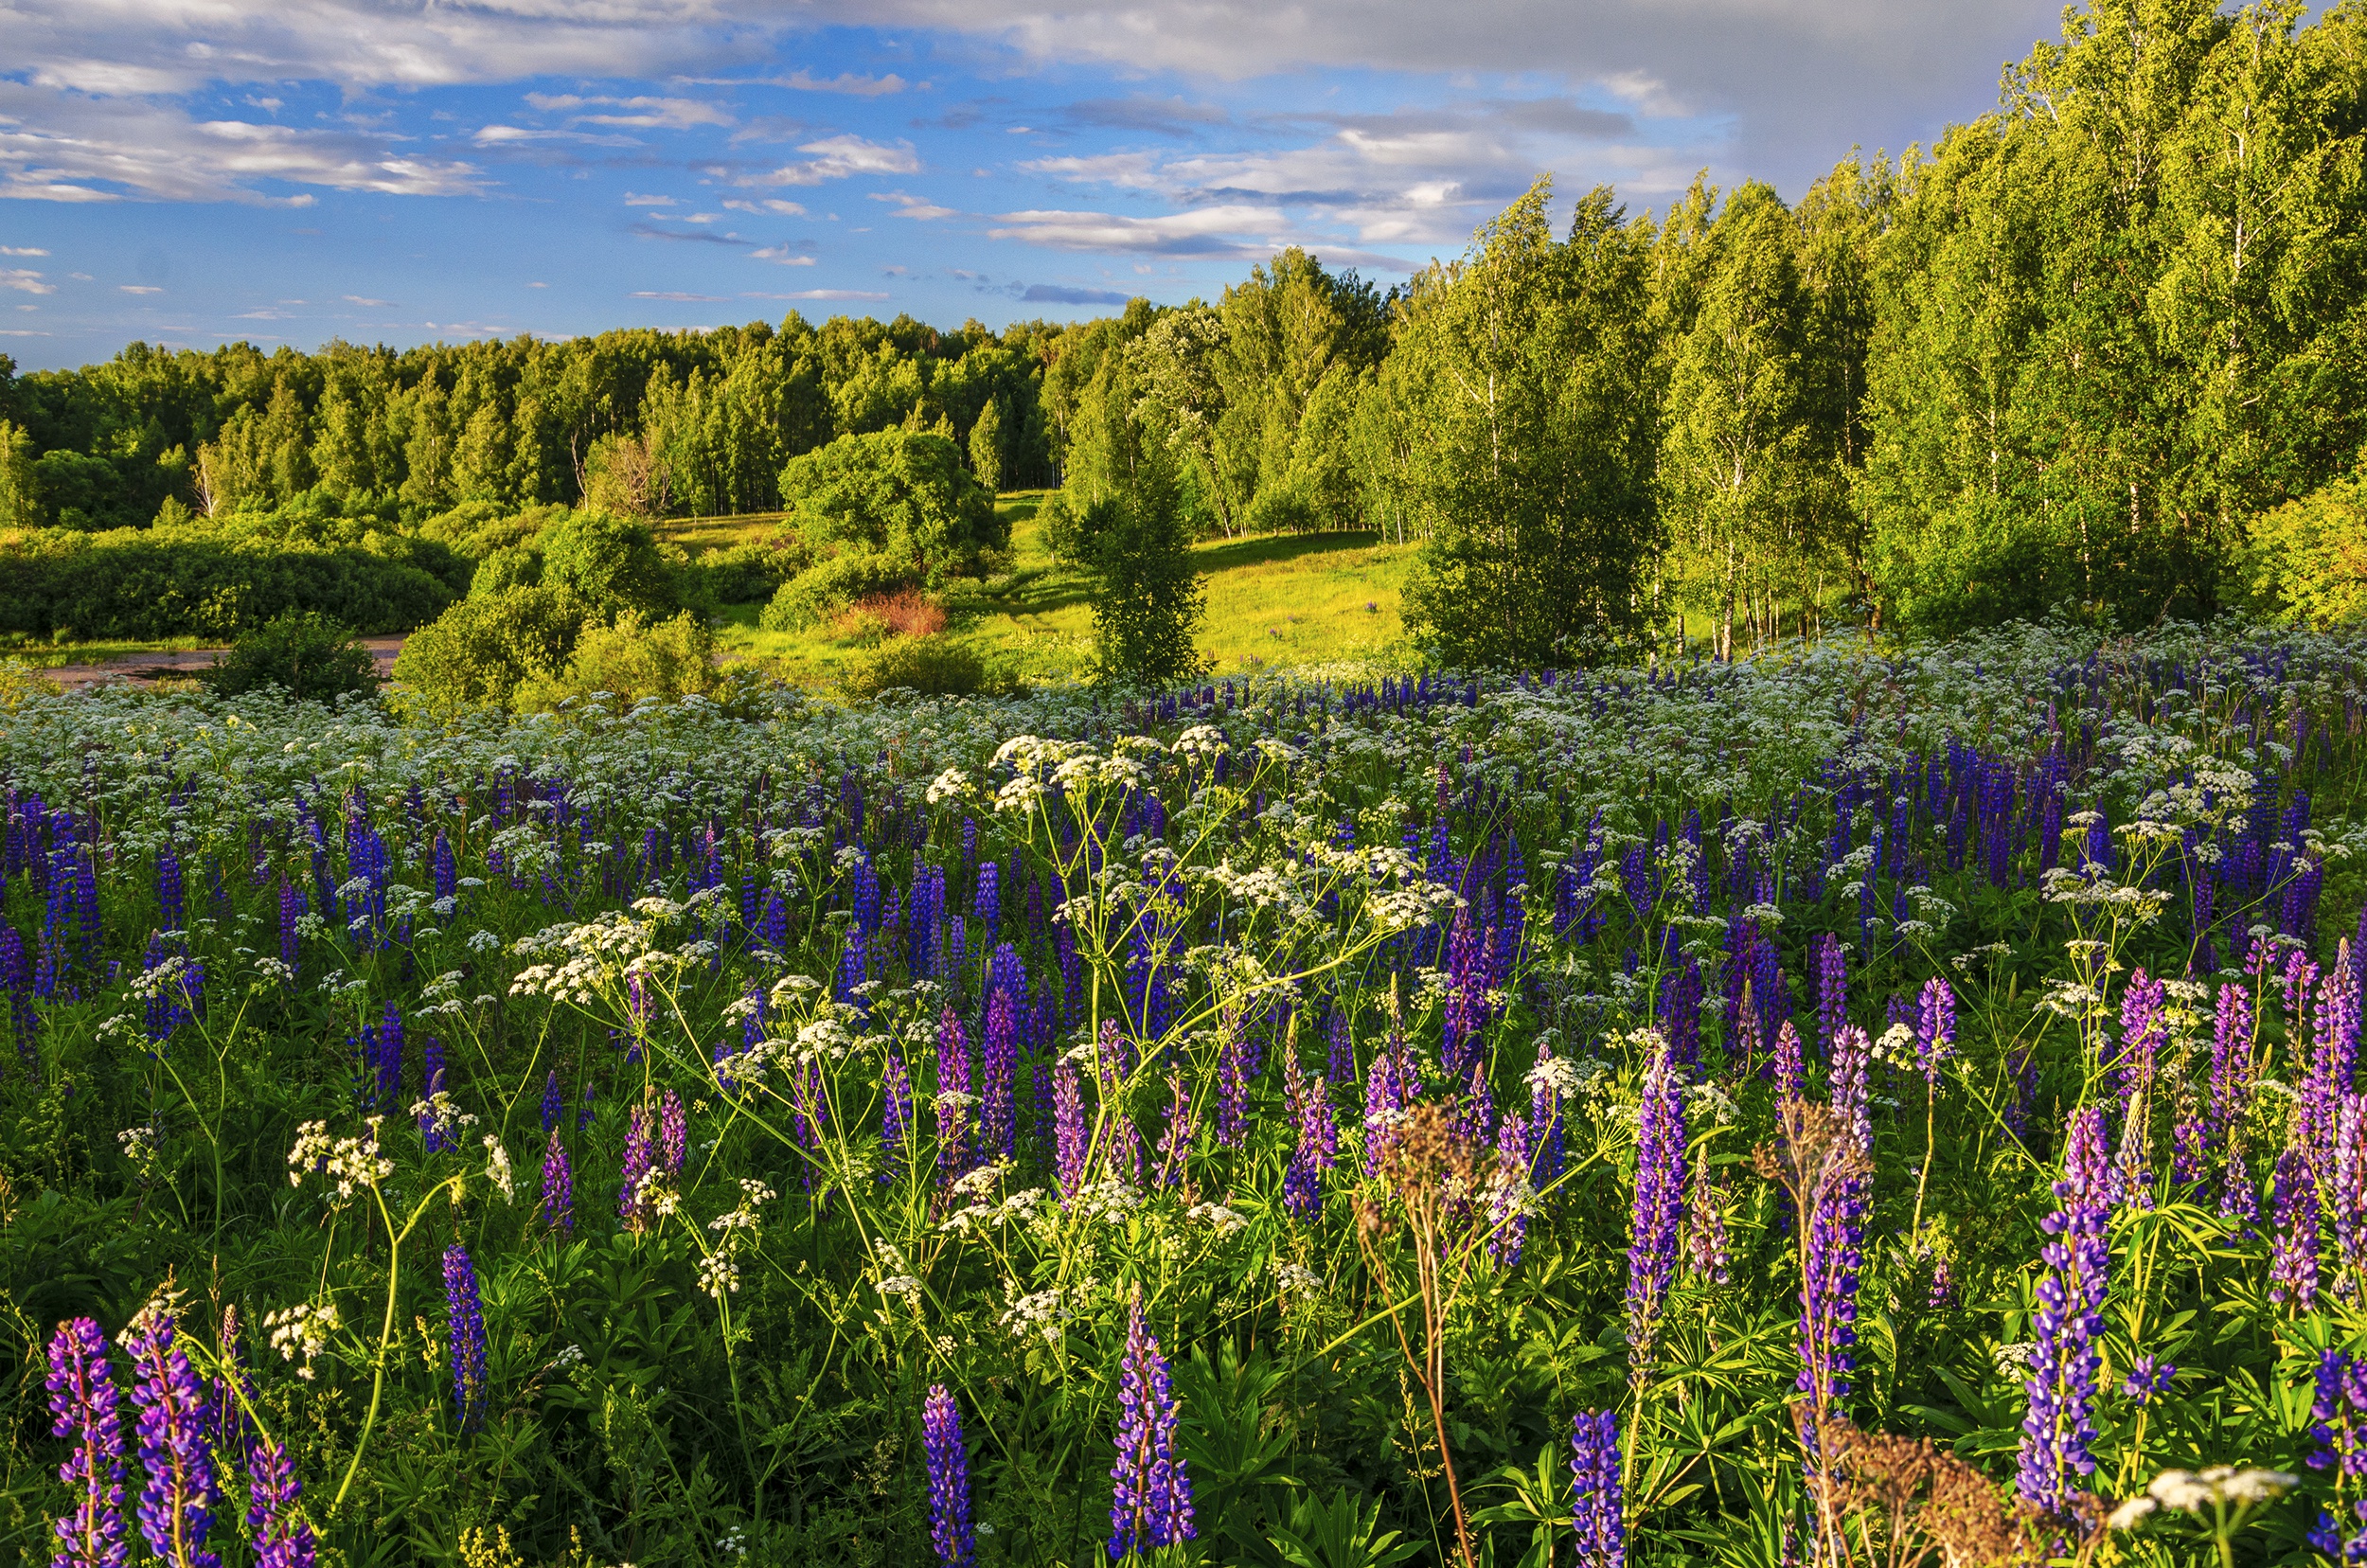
(1841, 1108)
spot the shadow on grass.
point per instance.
(1268, 549)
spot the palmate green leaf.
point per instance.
(1344, 1533)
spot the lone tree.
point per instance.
(1137, 543)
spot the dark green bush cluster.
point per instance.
(148, 584)
(934, 666)
(308, 656)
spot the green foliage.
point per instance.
(901, 494)
(307, 655)
(608, 564)
(933, 665)
(482, 650)
(1148, 599)
(2306, 561)
(628, 659)
(501, 570)
(820, 591)
(986, 447)
(1524, 382)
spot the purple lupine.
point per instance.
(559, 1186)
(1828, 1287)
(82, 1400)
(632, 1205)
(432, 1084)
(1849, 1086)
(1831, 966)
(1659, 1176)
(1597, 1511)
(1935, 1027)
(1707, 1254)
(1071, 1138)
(2346, 1194)
(2340, 1399)
(1509, 1195)
(954, 1097)
(2139, 1066)
(2149, 1376)
(1151, 1505)
(1175, 1141)
(1467, 993)
(2294, 1255)
(464, 1315)
(1232, 1080)
(2231, 1100)
(177, 1504)
(1791, 1070)
(554, 1103)
(282, 1539)
(1340, 1064)
(1390, 1091)
(895, 1118)
(2064, 1364)
(950, 1530)
(290, 905)
(998, 1058)
(1547, 1143)
(1302, 1181)
(673, 1135)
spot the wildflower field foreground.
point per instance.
(1843, 1107)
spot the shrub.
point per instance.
(2306, 561)
(504, 569)
(742, 574)
(902, 493)
(907, 612)
(609, 564)
(307, 655)
(143, 584)
(629, 659)
(814, 594)
(481, 650)
(934, 666)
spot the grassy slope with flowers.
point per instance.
(687, 958)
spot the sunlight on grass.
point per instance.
(1276, 599)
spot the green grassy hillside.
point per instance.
(1283, 599)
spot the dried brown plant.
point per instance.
(1907, 1503)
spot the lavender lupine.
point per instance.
(1070, 1135)
(1547, 1143)
(464, 1314)
(2064, 1362)
(1935, 1027)
(2139, 1066)
(1232, 1080)
(999, 1077)
(673, 1135)
(633, 1193)
(954, 1097)
(1151, 1506)
(950, 1530)
(2294, 1255)
(1831, 1257)
(554, 1103)
(1339, 1064)
(83, 1404)
(1831, 966)
(282, 1539)
(2346, 1196)
(1707, 1254)
(1597, 1510)
(1388, 1096)
(559, 1186)
(1791, 1069)
(2231, 1102)
(177, 1505)
(1659, 1176)
(1510, 1197)
(895, 1118)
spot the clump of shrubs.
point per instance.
(307, 655)
(933, 665)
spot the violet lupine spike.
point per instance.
(1707, 1254)
(1659, 1176)
(559, 1186)
(954, 1096)
(999, 1079)
(1466, 997)
(673, 1135)
(1071, 1138)
(83, 1404)
(1598, 1512)
(2294, 1255)
(1828, 1297)
(1849, 1084)
(1340, 1061)
(282, 1539)
(951, 1529)
(1231, 1080)
(176, 1510)
(1301, 1182)
(2059, 1428)
(1510, 1196)
(464, 1314)
(1547, 1143)
(2346, 1196)
(1387, 1099)
(896, 1119)
(639, 1164)
(1791, 1070)
(554, 1103)
(1832, 987)
(1152, 1502)
(1935, 1027)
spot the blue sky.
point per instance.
(393, 170)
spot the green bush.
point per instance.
(2305, 562)
(477, 528)
(629, 660)
(819, 592)
(144, 584)
(902, 493)
(607, 566)
(934, 666)
(742, 574)
(511, 566)
(307, 655)
(482, 650)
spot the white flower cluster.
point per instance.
(348, 1163)
(301, 1332)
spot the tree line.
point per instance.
(2101, 350)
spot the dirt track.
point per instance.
(149, 666)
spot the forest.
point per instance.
(2098, 353)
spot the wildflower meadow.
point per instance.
(1848, 1106)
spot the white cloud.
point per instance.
(673, 294)
(25, 282)
(1233, 230)
(374, 304)
(845, 81)
(782, 256)
(822, 293)
(840, 157)
(496, 135)
(644, 114)
(22, 250)
(138, 289)
(914, 206)
(632, 200)
(771, 204)
(65, 147)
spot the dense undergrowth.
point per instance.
(591, 1138)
